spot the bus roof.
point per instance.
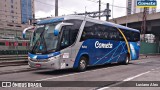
(79, 17)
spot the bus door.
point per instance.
(64, 47)
(68, 37)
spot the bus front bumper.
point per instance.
(52, 64)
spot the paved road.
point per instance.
(140, 70)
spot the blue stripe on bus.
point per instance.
(99, 56)
(113, 50)
(123, 51)
(134, 50)
(112, 57)
(102, 55)
(50, 21)
(46, 56)
(108, 61)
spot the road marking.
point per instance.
(72, 74)
(127, 79)
(152, 69)
(130, 78)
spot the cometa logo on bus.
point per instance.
(103, 45)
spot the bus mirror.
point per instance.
(25, 30)
(59, 26)
(56, 32)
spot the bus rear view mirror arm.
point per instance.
(59, 27)
(25, 30)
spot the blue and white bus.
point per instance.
(78, 41)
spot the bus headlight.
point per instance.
(138, 43)
(51, 58)
(29, 58)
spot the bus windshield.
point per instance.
(43, 39)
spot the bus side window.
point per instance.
(69, 34)
(87, 32)
(65, 37)
(73, 35)
(99, 31)
(131, 35)
(113, 33)
(136, 36)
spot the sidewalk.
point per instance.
(143, 56)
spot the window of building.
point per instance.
(149, 38)
(11, 6)
(2, 43)
(19, 44)
(10, 25)
(12, 11)
(18, 26)
(11, 1)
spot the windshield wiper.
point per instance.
(50, 51)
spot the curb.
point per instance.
(144, 56)
(13, 63)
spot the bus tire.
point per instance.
(126, 61)
(82, 64)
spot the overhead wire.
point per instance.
(53, 5)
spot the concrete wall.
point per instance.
(148, 48)
(135, 18)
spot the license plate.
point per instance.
(38, 65)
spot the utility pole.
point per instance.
(143, 26)
(127, 16)
(108, 11)
(85, 10)
(96, 14)
(99, 9)
(56, 7)
(112, 8)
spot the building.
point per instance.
(15, 15)
(132, 9)
(27, 11)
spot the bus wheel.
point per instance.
(82, 64)
(127, 60)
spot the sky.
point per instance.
(45, 8)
